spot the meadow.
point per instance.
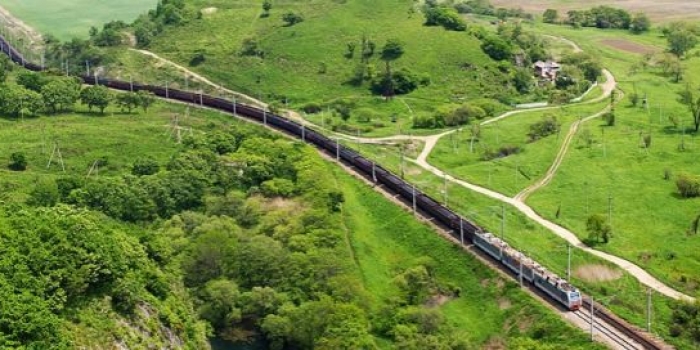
(661, 11)
(66, 19)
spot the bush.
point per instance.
(404, 80)
(291, 18)
(446, 17)
(688, 185)
(278, 188)
(312, 108)
(145, 166)
(609, 118)
(18, 161)
(501, 152)
(545, 127)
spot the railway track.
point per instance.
(460, 228)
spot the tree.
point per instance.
(680, 41)
(267, 6)
(448, 18)
(145, 166)
(128, 101)
(598, 228)
(18, 161)
(32, 80)
(146, 99)
(60, 94)
(392, 50)
(96, 96)
(44, 194)
(689, 98)
(219, 303)
(522, 80)
(550, 16)
(496, 47)
(688, 185)
(640, 23)
(292, 18)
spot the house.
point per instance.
(547, 70)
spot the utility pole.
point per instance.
(201, 98)
(649, 310)
(568, 262)
(521, 270)
(414, 199)
(503, 220)
(461, 230)
(265, 116)
(233, 103)
(374, 172)
(337, 149)
(87, 68)
(610, 198)
(592, 319)
(303, 133)
(131, 83)
(166, 90)
(444, 188)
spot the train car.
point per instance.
(519, 264)
(490, 244)
(558, 288)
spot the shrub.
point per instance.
(404, 80)
(145, 166)
(609, 118)
(18, 161)
(291, 18)
(312, 108)
(688, 185)
(545, 127)
(446, 17)
(278, 188)
(501, 152)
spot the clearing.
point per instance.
(629, 46)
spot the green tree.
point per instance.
(681, 41)
(393, 50)
(145, 166)
(689, 98)
(18, 161)
(523, 80)
(266, 6)
(60, 94)
(96, 96)
(598, 228)
(496, 47)
(640, 23)
(32, 80)
(44, 194)
(127, 101)
(219, 303)
(550, 16)
(688, 185)
(292, 18)
(146, 99)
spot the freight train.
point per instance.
(464, 230)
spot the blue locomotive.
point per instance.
(529, 270)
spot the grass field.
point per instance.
(73, 18)
(82, 138)
(661, 11)
(306, 62)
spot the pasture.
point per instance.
(66, 19)
(660, 11)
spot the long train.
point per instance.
(462, 229)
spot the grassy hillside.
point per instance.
(66, 19)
